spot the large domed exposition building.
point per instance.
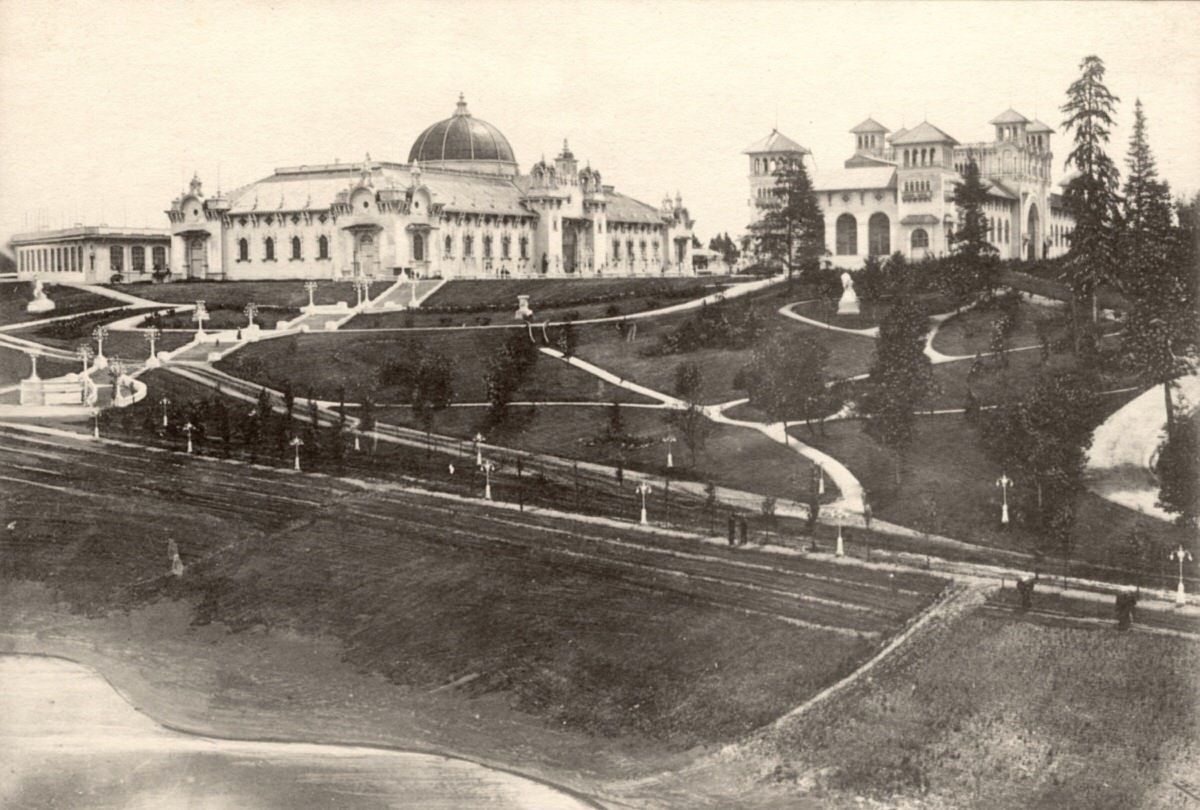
(459, 208)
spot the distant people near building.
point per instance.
(459, 208)
(895, 193)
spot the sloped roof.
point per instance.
(898, 133)
(857, 178)
(998, 189)
(1009, 116)
(775, 142)
(1038, 126)
(627, 209)
(859, 160)
(923, 132)
(316, 189)
(870, 125)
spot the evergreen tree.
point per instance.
(690, 422)
(1178, 471)
(1160, 334)
(1091, 195)
(790, 232)
(433, 390)
(1041, 441)
(975, 266)
(788, 379)
(900, 379)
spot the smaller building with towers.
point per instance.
(895, 193)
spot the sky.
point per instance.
(106, 109)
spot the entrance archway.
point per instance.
(570, 247)
(197, 258)
(366, 255)
(1033, 233)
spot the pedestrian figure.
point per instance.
(743, 529)
(867, 514)
(732, 530)
(620, 477)
(452, 468)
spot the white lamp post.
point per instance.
(1181, 554)
(100, 333)
(488, 466)
(152, 338)
(188, 428)
(1004, 482)
(165, 402)
(479, 439)
(250, 310)
(85, 354)
(96, 423)
(820, 480)
(296, 442)
(841, 548)
(669, 441)
(644, 489)
(310, 287)
(200, 316)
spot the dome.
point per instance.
(464, 142)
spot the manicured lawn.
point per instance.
(1055, 288)
(999, 712)
(735, 457)
(326, 362)
(227, 317)
(16, 365)
(482, 296)
(14, 296)
(236, 294)
(947, 463)
(602, 344)
(72, 333)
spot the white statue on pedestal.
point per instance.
(523, 310)
(848, 305)
(40, 302)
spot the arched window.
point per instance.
(269, 249)
(616, 250)
(629, 251)
(879, 237)
(642, 246)
(137, 259)
(487, 246)
(116, 258)
(524, 243)
(296, 247)
(920, 238)
(505, 247)
(468, 247)
(159, 258)
(448, 247)
(847, 235)
(1007, 232)
(418, 244)
(243, 250)
(323, 247)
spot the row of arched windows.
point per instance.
(269, 248)
(911, 186)
(1060, 235)
(868, 141)
(999, 231)
(921, 157)
(468, 247)
(629, 254)
(879, 235)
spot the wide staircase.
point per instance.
(404, 294)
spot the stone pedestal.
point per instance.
(848, 303)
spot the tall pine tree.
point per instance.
(790, 231)
(975, 268)
(1091, 195)
(1160, 332)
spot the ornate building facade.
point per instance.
(459, 208)
(895, 192)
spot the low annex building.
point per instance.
(92, 254)
(459, 208)
(895, 193)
